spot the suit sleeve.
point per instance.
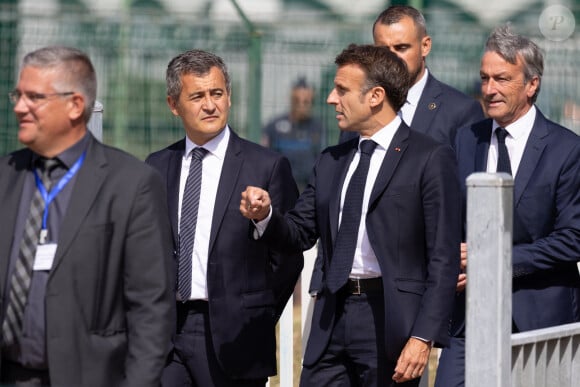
(150, 306)
(442, 219)
(286, 265)
(561, 245)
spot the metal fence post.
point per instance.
(95, 124)
(489, 284)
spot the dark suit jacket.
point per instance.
(109, 305)
(248, 284)
(441, 111)
(546, 224)
(413, 224)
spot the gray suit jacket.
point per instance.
(109, 305)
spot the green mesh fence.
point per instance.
(131, 49)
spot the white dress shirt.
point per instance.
(365, 264)
(211, 173)
(407, 112)
(518, 134)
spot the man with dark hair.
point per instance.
(85, 275)
(432, 107)
(230, 289)
(385, 207)
(543, 159)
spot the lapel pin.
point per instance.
(398, 149)
(432, 106)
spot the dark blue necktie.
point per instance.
(345, 244)
(188, 222)
(503, 157)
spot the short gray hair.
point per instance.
(75, 71)
(196, 62)
(511, 46)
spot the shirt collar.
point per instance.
(416, 90)
(70, 156)
(217, 146)
(521, 127)
(384, 136)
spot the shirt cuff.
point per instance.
(260, 227)
(429, 342)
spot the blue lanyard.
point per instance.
(49, 196)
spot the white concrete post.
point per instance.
(489, 280)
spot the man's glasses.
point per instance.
(34, 98)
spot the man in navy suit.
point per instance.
(431, 107)
(238, 288)
(376, 326)
(543, 158)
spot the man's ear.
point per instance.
(76, 106)
(425, 46)
(534, 84)
(172, 105)
(377, 96)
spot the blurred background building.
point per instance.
(267, 45)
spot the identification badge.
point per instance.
(44, 256)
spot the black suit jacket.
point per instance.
(413, 224)
(546, 224)
(248, 283)
(109, 301)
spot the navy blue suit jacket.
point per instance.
(413, 224)
(248, 283)
(546, 224)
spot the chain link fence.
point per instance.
(131, 49)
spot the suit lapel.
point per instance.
(91, 177)
(482, 146)
(233, 163)
(396, 150)
(532, 153)
(173, 174)
(10, 195)
(427, 107)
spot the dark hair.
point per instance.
(382, 67)
(77, 72)
(511, 46)
(395, 13)
(197, 62)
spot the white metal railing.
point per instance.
(546, 357)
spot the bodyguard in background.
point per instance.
(543, 158)
(432, 107)
(85, 273)
(231, 290)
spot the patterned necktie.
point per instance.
(503, 157)
(345, 244)
(188, 222)
(22, 272)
